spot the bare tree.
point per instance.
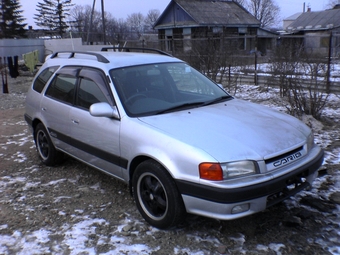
(151, 18)
(117, 31)
(241, 2)
(332, 3)
(136, 23)
(82, 14)
(266, 11)
(122, 31)
(299, 76)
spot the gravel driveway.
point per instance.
(74, 209)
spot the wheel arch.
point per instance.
(35, 123)
(132, 168)
(137, 161)
(157, 196)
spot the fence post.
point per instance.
(4, 76)
(255, 75)
(328, 85)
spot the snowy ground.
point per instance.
(84, 229)
(322, 137)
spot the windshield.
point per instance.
(160, 88)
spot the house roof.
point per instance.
(293, 17)
(184, 13)
(312, 21)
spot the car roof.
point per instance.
(110, 59)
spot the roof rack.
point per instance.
(128, 49)
(99, 57)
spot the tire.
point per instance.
(156, 196)
(46, 150)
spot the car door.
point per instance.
(56, 104)
(95, 140)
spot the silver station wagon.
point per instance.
(180, 142)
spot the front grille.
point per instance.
(284, 159)
(271, 160)
(293, 186)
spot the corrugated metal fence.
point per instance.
(17, 47)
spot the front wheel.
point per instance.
(156, 195)
(46, 150)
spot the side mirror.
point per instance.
(104, 110)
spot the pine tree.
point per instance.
(11, 22)
(52, 15)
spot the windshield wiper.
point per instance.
(193, 104)
(180, 107)
(217, 100)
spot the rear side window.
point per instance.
(43, 77)
(62, 88)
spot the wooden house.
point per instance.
(317, 31)
(221, 24)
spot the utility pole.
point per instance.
(103, 20)
(91, 21)
(255, 60)
(329, 61)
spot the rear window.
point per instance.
(43, 77)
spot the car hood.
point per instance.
(233, 130)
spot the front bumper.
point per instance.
(219, 202)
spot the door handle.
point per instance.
(75, 121)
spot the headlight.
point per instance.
(310, 141)
(238, 168)
(224, 171)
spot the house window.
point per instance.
(242, 30)
(324, 42)
(242, 42)
(217, 30)
(169, 43)
(169, 39)
(187, 44)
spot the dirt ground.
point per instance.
(34, 197)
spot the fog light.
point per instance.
(240, 208)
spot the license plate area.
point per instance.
(293, 186)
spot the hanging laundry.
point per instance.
(13, 67)
(31, 59)
(16, 65)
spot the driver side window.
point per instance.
(92, 88)
(89, 93)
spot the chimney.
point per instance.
(304, 7)
(309, 9)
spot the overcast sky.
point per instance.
(120, 9)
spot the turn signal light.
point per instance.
(211, 171)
